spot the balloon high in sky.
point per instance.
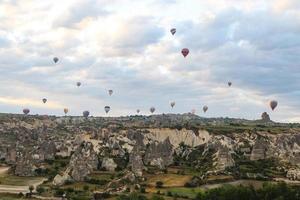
(185, 51)
(55, 59)
(173, 31)
(273, 104)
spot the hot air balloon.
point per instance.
(110, 92)
(26, 111)
(273, 104)
(138, 111)
(55, 59)
(193, 111)
(66, 110)
(173, 31)
(44, 100)
(152, 109)
(172, 104)
(78, 84)
(229, 84)
(107, 109)
(205, 108)
(185, 51)
(86, 113)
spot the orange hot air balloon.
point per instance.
(66, 110)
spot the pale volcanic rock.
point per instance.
(109, 164)
(178, 136)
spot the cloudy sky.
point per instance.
(126, 45)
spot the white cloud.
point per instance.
(126, 45)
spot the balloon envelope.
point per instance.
(185, 52)
(66, 110)
(26, 111)
(173, 31)
(152, 109)
(44, 100)
(86, 113)
(55, 59)
(229, 84)
(172, 104)
(138, 110)
(205, 108)
(110, 92)
(273, 104)
(107, 109)
(78, 84)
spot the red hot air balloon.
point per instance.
(86, 113)
(173, 31)
(26, 111)
(273, 104)
(152, 109)
(185, 51)
(44, 100)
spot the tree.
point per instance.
(40, 190)
(31, 188)
(86, 187)
(159, 184)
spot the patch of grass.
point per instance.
(169, 180)
(18, 180)
(180, 191)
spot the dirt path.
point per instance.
(4, 170)
(13, 189)
(17, 189)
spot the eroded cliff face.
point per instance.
(128, 145)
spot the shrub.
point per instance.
(156, 197)
(159, 184)
(40, 190)
(86, 187)
(143, 190)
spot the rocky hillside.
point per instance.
(134, 145)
